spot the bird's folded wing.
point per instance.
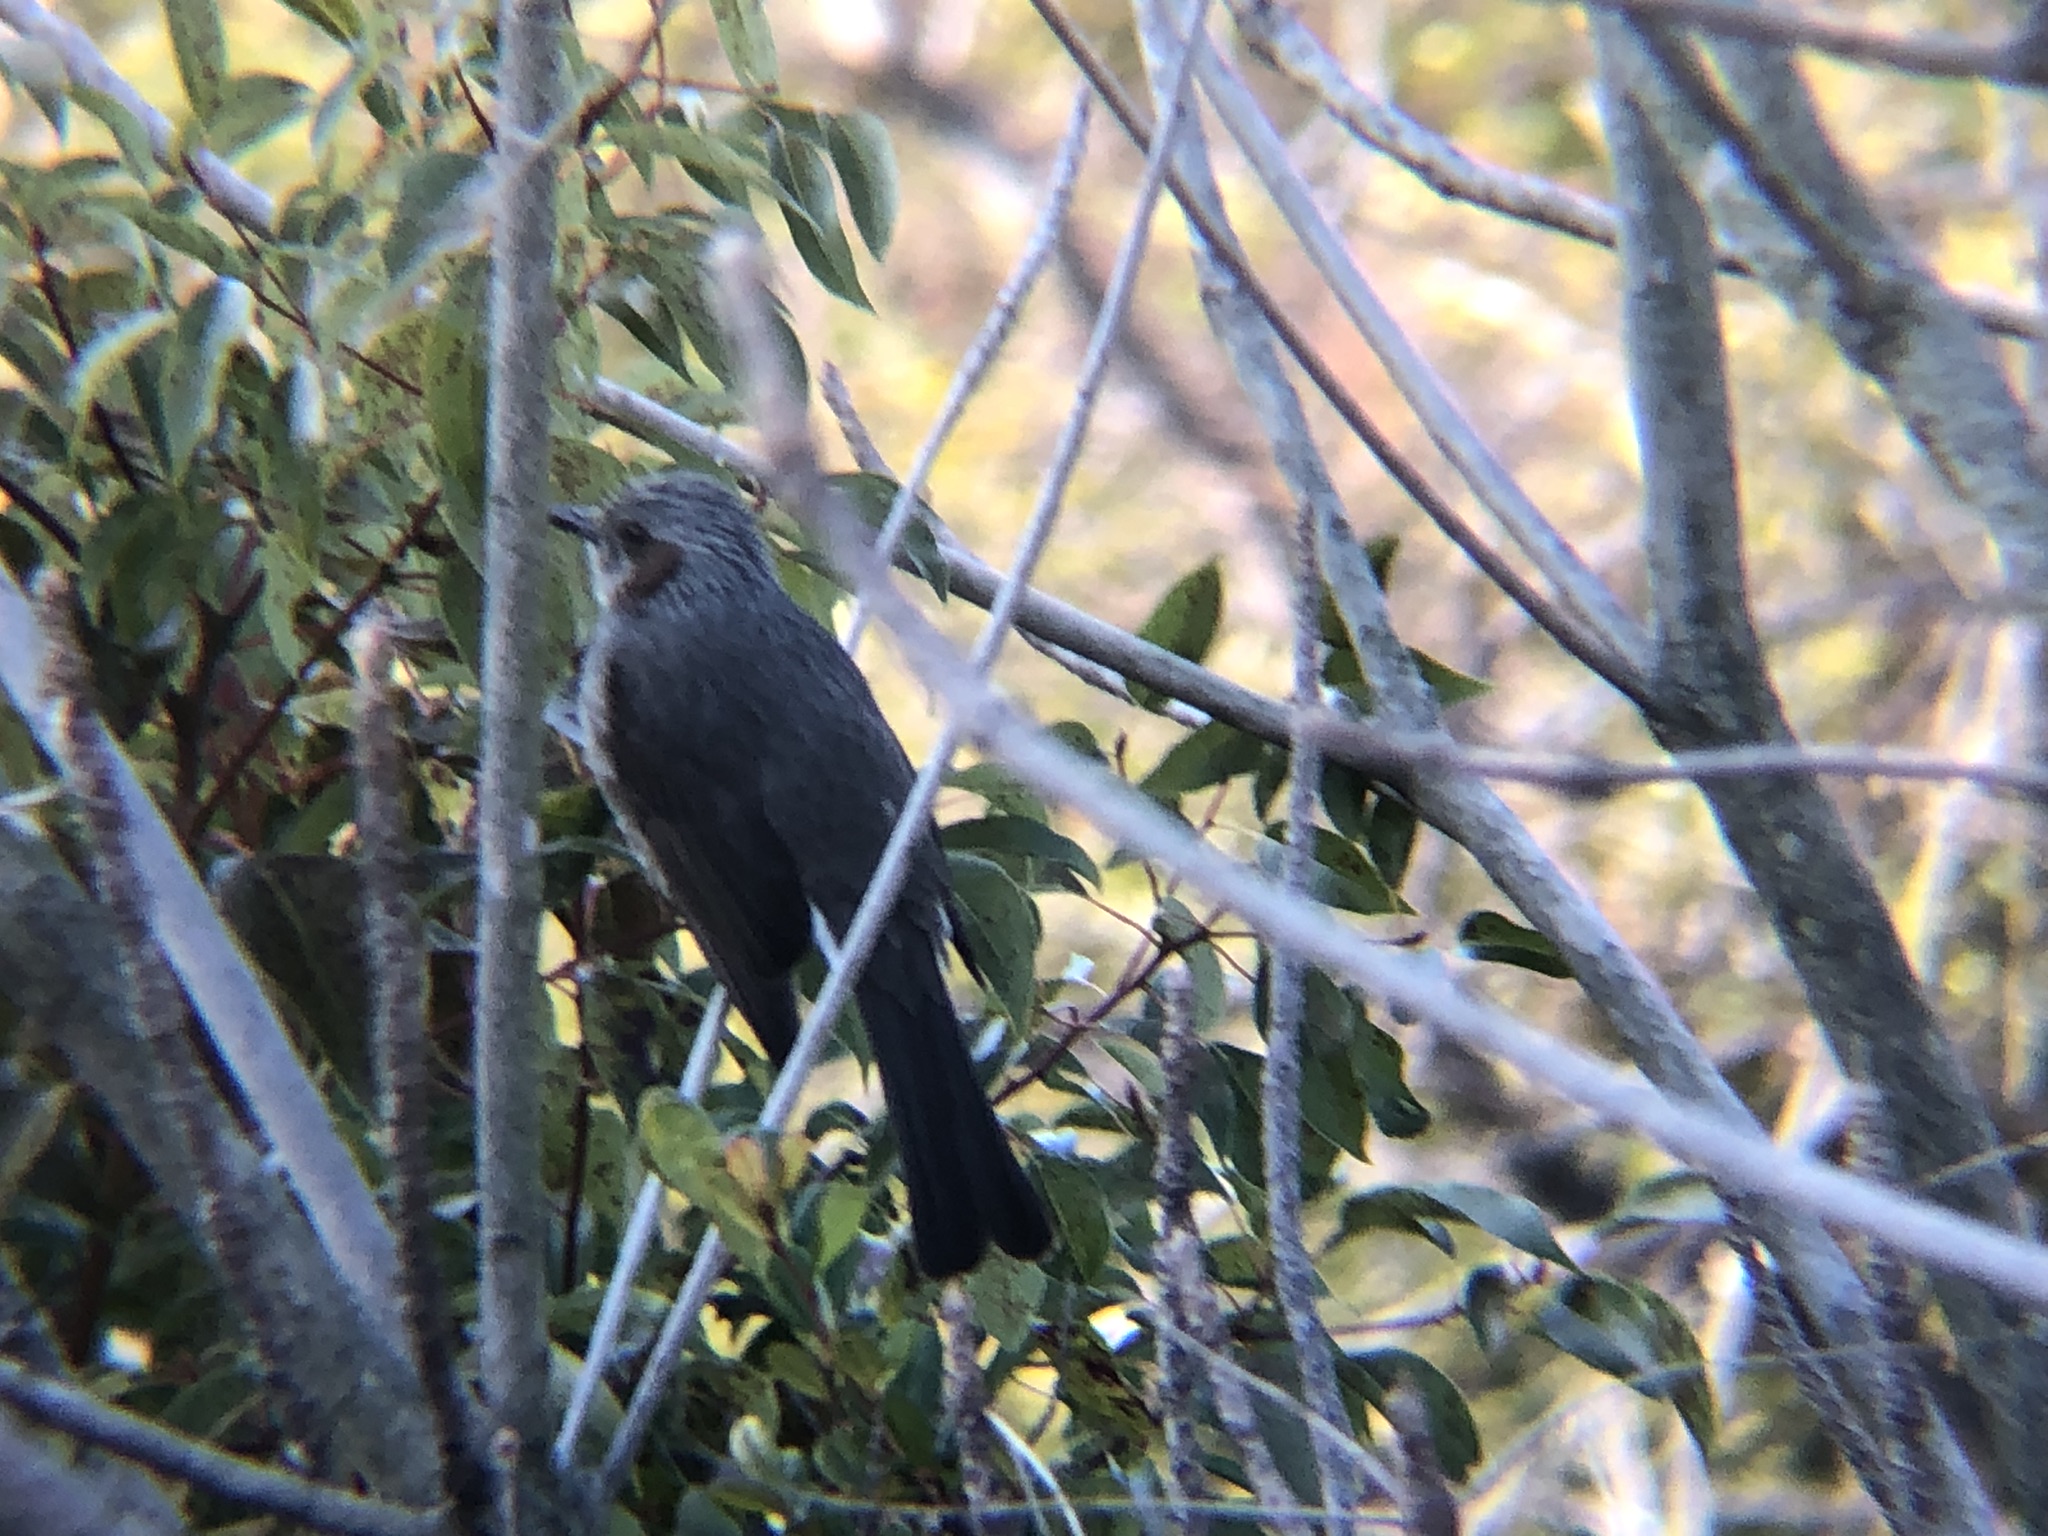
(691, 798)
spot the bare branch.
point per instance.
(1941, 54)
(398, 995)
(1190, 1328)
(229, 1000)
(1440, 415)
(230, 194)
(1279, 38)
(234, 1478)
(1713, 688)
(1561, 626)
(510, 1029)
(988, 341)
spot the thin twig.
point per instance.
(1561, 626)
(1426, 393)
(1279, 38)
(234, 1478)
(1941, 54)
(988, 341)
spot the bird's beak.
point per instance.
(581, 521)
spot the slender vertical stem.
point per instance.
(509, 1014)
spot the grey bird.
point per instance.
(746, 761)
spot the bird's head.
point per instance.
(661, 536)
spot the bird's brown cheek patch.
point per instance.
(649, 572)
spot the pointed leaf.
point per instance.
(1185, 622)
(218, 318)
(199, 44)
(108, 351)
(251, 108)
(861, 153)
(1490, 936)
(748, 43)
(429, 200)
(1024, 836)
(1002, 929)
(1211, 754)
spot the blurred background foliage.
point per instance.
(228, 475)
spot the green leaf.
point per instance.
(216, 320)
(748, 43)
(1448, 684)
(108, 351)
(339, 19)
(1185, 622)
(1490, 936)
(1007, 1295)
(859, 145)
(251, 109)
(461, 588)
(1341, 876)
(429, 198)
(1377, 1058)
(1081, 1212)
(688, 1153)
(452, 387)
(1332, 1107)
(1210, 754)
(841, 1209)
(1002, 930)
(1452, 1430)
(128, 131)
(1390, 837)
(1416, 1207)
(1485, 1305)
(1025, 837)
(872, 496)
(680, 1139)
(825, 252)
(1135, 1059)
(1510, 1218)
(199, 44)
(1347, 796)
(1629, 1332)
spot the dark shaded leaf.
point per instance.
(1210, 754)
(429, 201)
(1490, 936)
(1025, 837)
(1452, 1430)
(1390, 837)
(1002, 930)
(1488, 1294)
(1629, 1332)
(339, 19)
(1080, 1212)
(872, 496)
(1378, 1058)
(1185, 622)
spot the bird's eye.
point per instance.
(632, 536)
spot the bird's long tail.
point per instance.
(966, 1188)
